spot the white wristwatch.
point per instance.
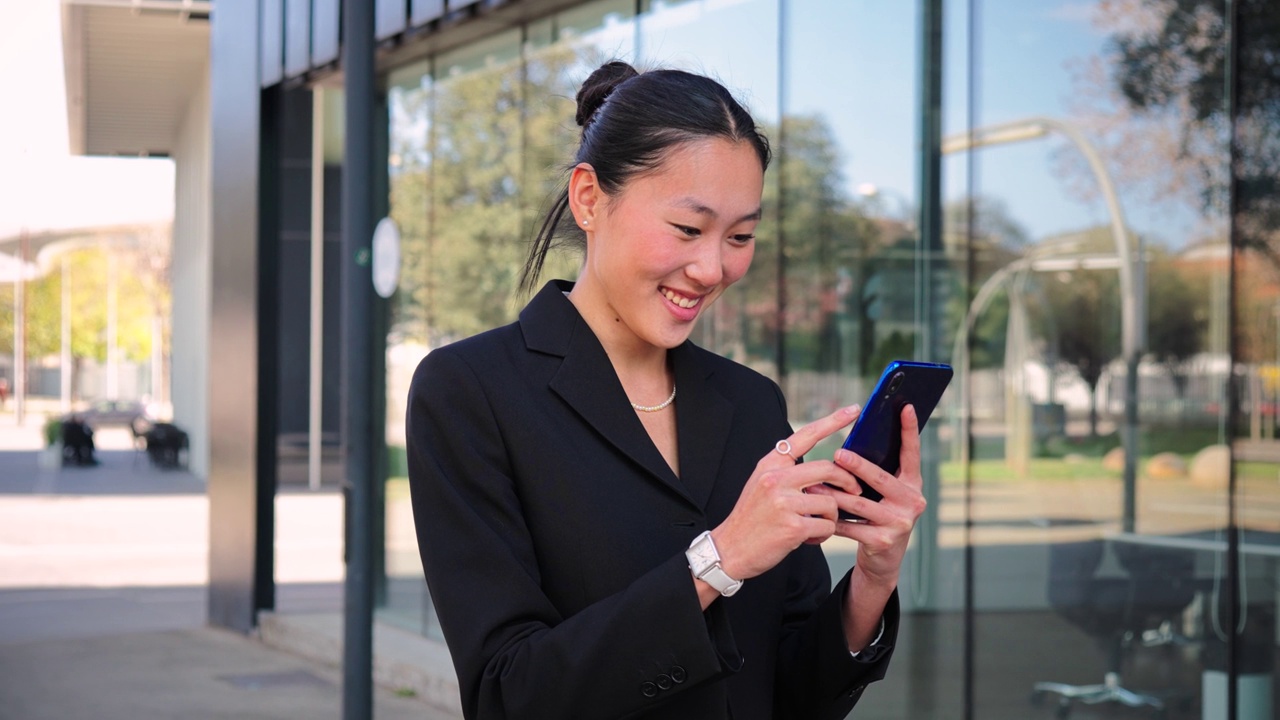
(704, 561)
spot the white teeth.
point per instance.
(683, 302)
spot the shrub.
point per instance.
(52, 431)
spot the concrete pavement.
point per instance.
(188, 673)
(103, 583)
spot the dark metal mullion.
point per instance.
(273, 124)
(780, 338)
(970, 655)
(1232, 80)
(357, 313)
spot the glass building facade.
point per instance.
(1074, 203)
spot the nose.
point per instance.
(706, 267)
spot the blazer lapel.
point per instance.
(703, 420)
(587, 382)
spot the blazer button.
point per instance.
(678, 674)
(664, 682)
(648, 690)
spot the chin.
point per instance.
(673, 339)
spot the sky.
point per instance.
(41, 185)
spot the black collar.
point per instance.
(587, 381)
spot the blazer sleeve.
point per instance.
(516, 656)
(817, 676)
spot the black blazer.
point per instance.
(553, 535)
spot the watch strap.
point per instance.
(716, 577)
(710, 572)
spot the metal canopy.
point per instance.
(132, 67)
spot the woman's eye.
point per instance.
(743, 238)
(688, 231)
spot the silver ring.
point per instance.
(784, 448)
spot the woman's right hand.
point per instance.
(774, 515)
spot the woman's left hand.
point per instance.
(883, 535)
(885, 528)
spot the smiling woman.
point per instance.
(606, 524)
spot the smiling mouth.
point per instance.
(680, 300)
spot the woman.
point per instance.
(612, 521)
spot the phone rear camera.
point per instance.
(895, 382)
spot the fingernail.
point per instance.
(843, 456)
(852, 409)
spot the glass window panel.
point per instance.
(1089, 222)
(410, 98)
(848, 165)
(560, 52)
(477, 243)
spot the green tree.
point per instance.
(142, 294)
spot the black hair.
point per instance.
(630, 120)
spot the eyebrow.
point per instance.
(691, 203)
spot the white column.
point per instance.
(159, 384)
(20, 334)
(113, 355)
(65, 366)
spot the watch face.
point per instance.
(702, 554)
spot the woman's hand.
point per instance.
(774, 514)
(886, 527)
(883, 532)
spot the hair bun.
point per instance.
(596, 89)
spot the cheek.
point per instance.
(737, 262)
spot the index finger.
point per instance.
(804, 439)
(909, 455)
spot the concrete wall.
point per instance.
(191, 277)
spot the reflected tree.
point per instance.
(993, 241)
(829, 252)
(1081, 312)
(1165, 75)
(1177, 316)
(474, 159)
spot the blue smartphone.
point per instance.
(877, 433)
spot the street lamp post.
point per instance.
(1128, 252)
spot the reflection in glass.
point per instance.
(1025, 295)
(1113, 568)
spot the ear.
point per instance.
(585, 196)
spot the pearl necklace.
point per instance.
(660, 406)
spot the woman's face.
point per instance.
(663, 248)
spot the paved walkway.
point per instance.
(103, 584)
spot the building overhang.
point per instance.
(132, 67)
(35, 254)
